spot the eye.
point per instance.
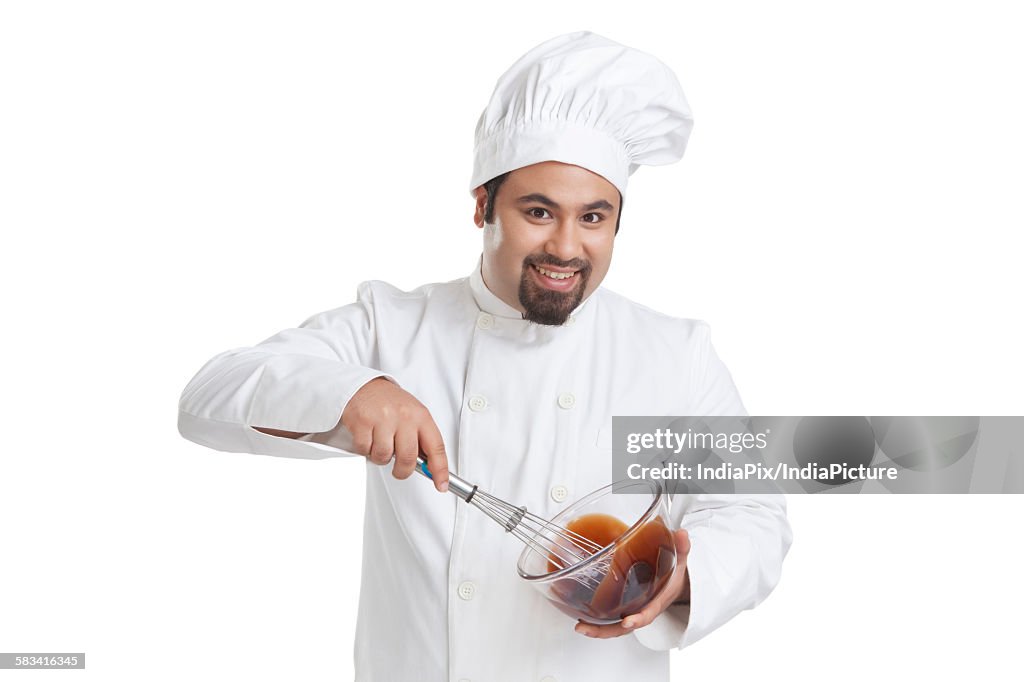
(598, 217)
(533, 212)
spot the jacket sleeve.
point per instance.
(738, 542)
(297, 380)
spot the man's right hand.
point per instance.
(387, 421)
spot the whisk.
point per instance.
(561, 546)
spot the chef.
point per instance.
(510, 376)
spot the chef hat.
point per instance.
(585, 100)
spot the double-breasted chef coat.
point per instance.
(525, 411)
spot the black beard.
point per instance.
(544, 306)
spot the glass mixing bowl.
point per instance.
(637, 557)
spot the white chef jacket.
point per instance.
(525, 411)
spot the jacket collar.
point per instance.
(488, 302)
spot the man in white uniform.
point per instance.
(511, 376)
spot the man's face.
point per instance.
(551, 241)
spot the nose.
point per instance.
(565, 241)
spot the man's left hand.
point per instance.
(677, 588)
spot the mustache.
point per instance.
(546, 259)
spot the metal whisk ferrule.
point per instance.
(561, 546)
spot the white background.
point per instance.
(179, 178)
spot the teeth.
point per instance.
(555, 275)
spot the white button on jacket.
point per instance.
(618, 358)
(467, 590)
(485, 321)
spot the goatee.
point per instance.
(545, 306)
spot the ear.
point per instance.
(480, 195)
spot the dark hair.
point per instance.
(492, 185)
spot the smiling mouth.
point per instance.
(552, 274)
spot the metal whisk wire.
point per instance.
(560, 546)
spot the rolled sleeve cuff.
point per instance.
(667, 630)
(306, 397)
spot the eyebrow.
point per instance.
(542, 199)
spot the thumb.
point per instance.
(682, 543)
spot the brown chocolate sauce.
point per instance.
(640, 567)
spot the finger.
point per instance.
(406, 453)
(437, 460)
(648, 613)
(682, 543)
(601, 631)
(362, 440)
(383, 448)
(683, 546)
